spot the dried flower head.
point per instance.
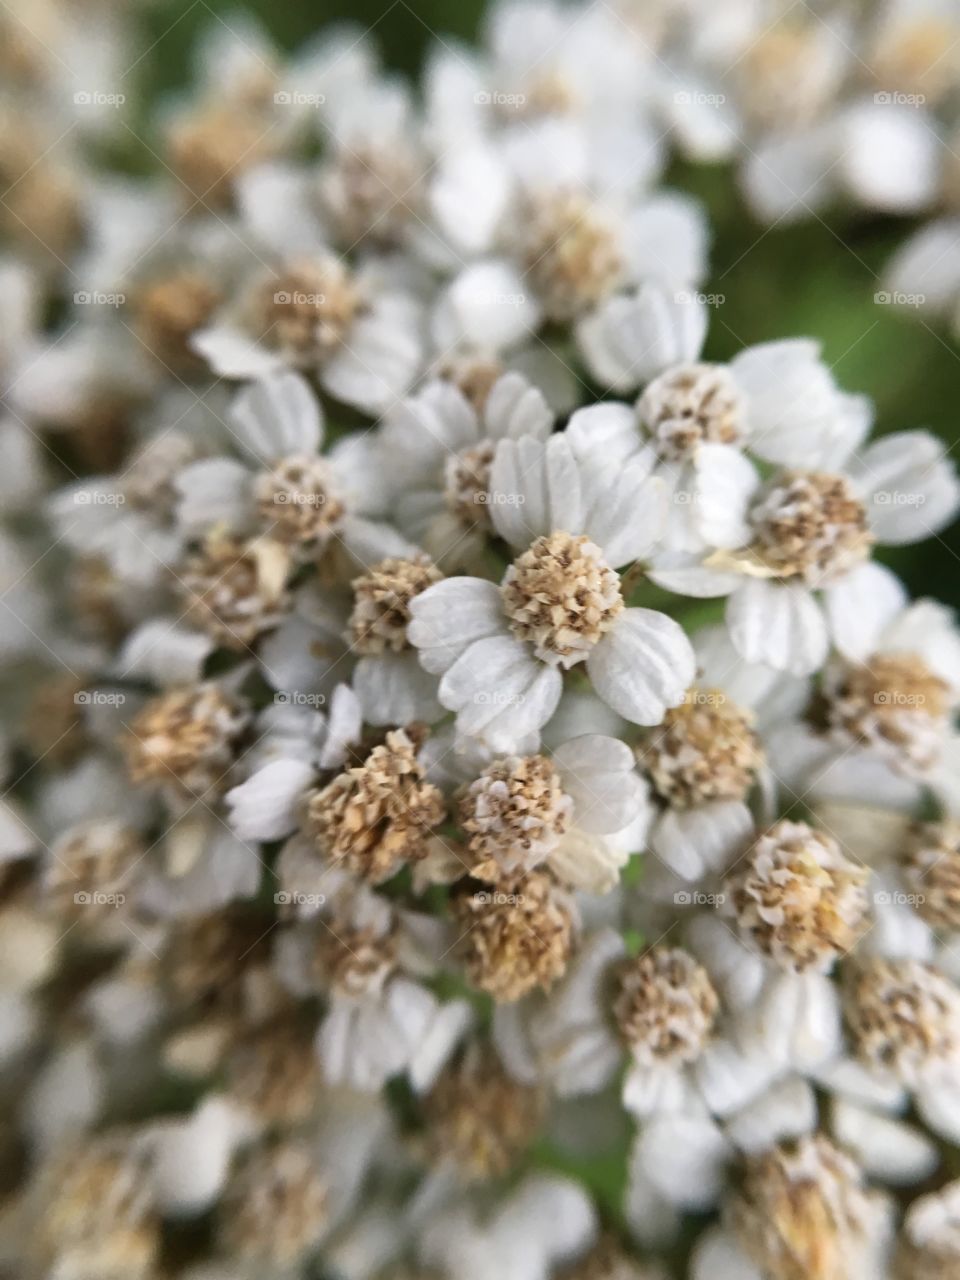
(931, 870)
(561, 596)
(571, 251)
(804, 1213)
(234, 589)
(381, 603)
(519, 936)
(467, 484)
(480, 1118)
(186, 737)
(514, 814)
(665, 1006)
(377, 815)
(356, 957)
(273, 1071)
(371, 192)
(296, 502)
(306, 310)
(210, 149)
(903, 1017)
(691, 405)
(169, 309)
(95, 869)
(608, 1260)
(810, 525)
(798, 898)
(705, 749)
(275, 1208)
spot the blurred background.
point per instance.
(818, 278)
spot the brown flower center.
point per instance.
(295, 502)
(903, 1017)
(811, 525)
(692, 405)
(514, 814)
(931, 870)
(186, 737)
(235, 589)
(306, 311)
(467, 490)
(665, 1006)
(571, 253)
(381, 603)
(704, 750)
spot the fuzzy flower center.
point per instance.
(371, 193)
(186, 736)
(930, 1246)
(480, 1118)
(381, 603)
(275, 1073)
(689, 406)
(517, 936)
(798, 898)
(571, 253)
(377, 815)
(170, 309)
(893, 703)
(94, 868)
(704, 750)
(307, 310)
(514, 814)
(931, 869)
(356, 959)
(235, 589)
(804, 1213)
(561, 597)
(665, 1006)
(810, 525)
(210, 149)
(467, 484)
(903, 1017)
(295, 502)
(275, 1207)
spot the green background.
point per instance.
(817, 278)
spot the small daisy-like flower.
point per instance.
(359, 333)
(931, 870)
(811, 532)
(274, 1210)
(283, 488)
(390, 683)
(441, 450)
(665, 1007)
(929, 1244)
(501, 650)
(524, 811)
(233, 589)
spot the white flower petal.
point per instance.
(265, 807)
(534, 489)
(860, 606)
(780, 625)
(231, 354)
(911, 486)
(599, 774)
(724, 483)
(515, 408)
(394, 689)
(449, 616)
(380, 358)
(643, 665)
(214, 491)
(632, 337)
(277, 417)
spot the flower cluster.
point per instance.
(461, 736)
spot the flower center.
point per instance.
(377, 815)
(704, 750)
(892, 703)
(306, 311)
(665, 1006)
(295, 502)
(209, 150)
(811, 525)
(804, 1213)
(371, 192)
(381, 603)
(689, 406)
(276, 1206)
(186, 736)
(903, 1017)
(235, 589)
(798, 898)
(561, 597)
(931, 868)
(467, 489)
(571, 253)
(514, 814)
(169, 310)
(356, 959)
(930, 1244)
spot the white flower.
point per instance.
(501, 650)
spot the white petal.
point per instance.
(380, 358)
(786, 1110)
(193, 1156)
(860, 606)
(725, 482)
(499, 691)
(606, 431)
(231, 354)
(781, 626)
(164, 653)
(911, 486)
(394, 689)
(666, 240)
(643, 665)
(703, 838)
(449, 616)
(624, 511)
(265, 807)
(633, 337)
(214, 491)
(534, 489)
(514, 408)
(688, 577)
(276, 417)
(889, 1150)
(717, 1256)
(599, 774)
(685, 1157)
(486, 306)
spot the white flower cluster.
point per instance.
(459, 737)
